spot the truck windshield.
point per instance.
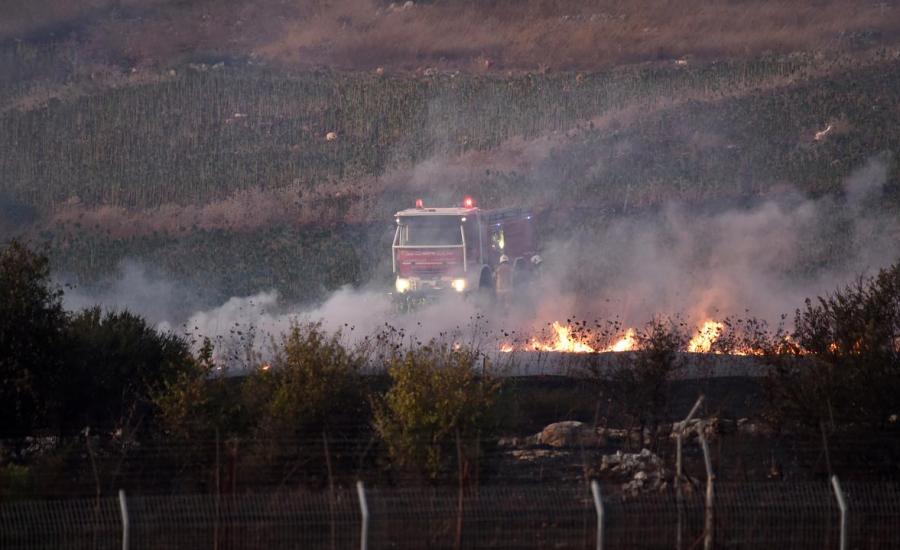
(430, 231)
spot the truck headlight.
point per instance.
(402, 285)
(459, 285)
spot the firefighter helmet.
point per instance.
(504, 259)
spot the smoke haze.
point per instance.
(764, 259)
(760, 260)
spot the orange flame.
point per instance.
(564, 341)
(568, 339)
(625, 343)
(706, 336)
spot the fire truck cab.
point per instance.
(457, 249)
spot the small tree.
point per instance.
(116, 365)
(32, 339)
(438, 409)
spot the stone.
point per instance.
(570, 433)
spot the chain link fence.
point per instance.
(759, 515)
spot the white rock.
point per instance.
(820, 135)
(570, 433)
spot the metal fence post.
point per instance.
(842, 505)
(598, 505)
(364, 511)
(679, 469)
(709, 520)
(123, 507)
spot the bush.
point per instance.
(312, 391)
(199, 413)
(438, 410)
(842, 362)
(118, 362)
(312, 384)
(199, 401)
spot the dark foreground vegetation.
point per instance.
(94, 401)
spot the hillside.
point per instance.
(195, 164)
(170, 135)
(474, 35)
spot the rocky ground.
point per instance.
(571, 451)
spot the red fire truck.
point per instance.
(457, 249)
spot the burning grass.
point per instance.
(734, 337)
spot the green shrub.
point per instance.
(117, 363)
(199, 401)
(311, 393)
(312, 384)
(438, 411)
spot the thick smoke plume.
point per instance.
(763, 259)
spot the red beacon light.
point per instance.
(420, 204)
(469, 202)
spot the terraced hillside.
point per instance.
(199, 134)
(190, 168)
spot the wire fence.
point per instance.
(757, 515)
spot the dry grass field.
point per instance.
(462, 34)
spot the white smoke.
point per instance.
(759, 260)
(137, 288)
(357, 313)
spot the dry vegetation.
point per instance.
(501, 34)
(568, 35)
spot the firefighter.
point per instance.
(537, 267)
(503, 282)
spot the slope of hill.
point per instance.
(714, 134)
(479, 35)
(183, 134)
